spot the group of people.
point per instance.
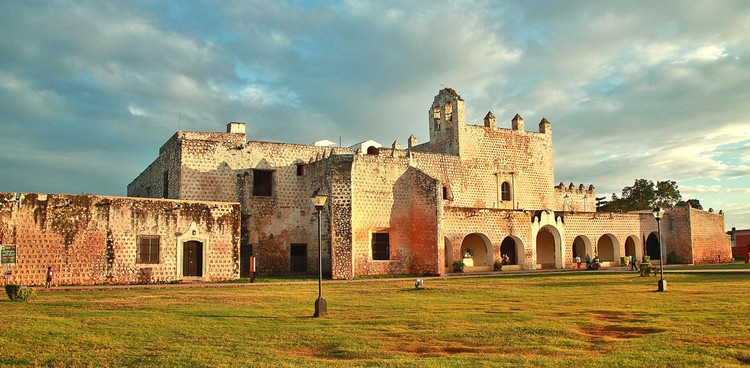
(505, 259)
(593, 264)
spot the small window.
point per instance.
(505, 191)
(262, 183)
(166, 185)
(148, 249)
(381, 247)
(445, 193)
(300, 169)
(448, 111)
(372, 150)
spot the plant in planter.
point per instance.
(498, 266)
(458, 266)
(18, 293)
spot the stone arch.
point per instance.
(479, 247)
(630, 246)
(372, 150)
(513, 247)
(581, 247)
(448, 112)
(448, 254)
(547, 244)
(607, 248)
(652, 246)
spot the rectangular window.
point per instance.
(300, 169)
(262, 183)
(166, 185)
(148, 249)
(381, 247)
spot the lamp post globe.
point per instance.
(658, 213)
(319, 201)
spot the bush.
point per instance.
(458, 266)
(672, 258)
(498, 266)
(18, 293)
(646, 259)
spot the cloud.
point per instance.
(633, 89)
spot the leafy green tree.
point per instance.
(692, 202)
(667, 194)
(645, 195)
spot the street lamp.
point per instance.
(321, 308)
(658, 215)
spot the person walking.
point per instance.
(49, 277)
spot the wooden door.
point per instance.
(192, 258)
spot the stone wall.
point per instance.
(94, 239)
(710, 243)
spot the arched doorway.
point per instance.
(509, 247)
(652, 246)
(192, 258)
(607, 248)
(546, 244)
(448, 253)
(630, 247)
(476, 250)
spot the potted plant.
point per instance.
(498, 266)
(458, 266)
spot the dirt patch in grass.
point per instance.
(618, 331)
(618, 317)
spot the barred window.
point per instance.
(148, 249)
(381, 247)
(262, 183)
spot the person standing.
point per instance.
(49, 277)
(578, 262)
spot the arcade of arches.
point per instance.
(476, 249)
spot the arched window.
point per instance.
(505, 191)
(448, 111)
(372, 150)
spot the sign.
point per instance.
(8, 254)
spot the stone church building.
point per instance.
(472, 193)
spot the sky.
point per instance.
(659, 90)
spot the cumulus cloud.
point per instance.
(659, 94)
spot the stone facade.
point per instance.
(89, 239)
(471, 193)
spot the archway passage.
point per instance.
(545, 248)
(630, 247)
(652, 247)
(192, 258)
(606, 249)
(448, 254)
(508, 247)
(474, 248)
(579, 248)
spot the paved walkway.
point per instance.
(447, 276)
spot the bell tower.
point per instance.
(446, 118)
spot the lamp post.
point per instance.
(321, 308)
(658, 215)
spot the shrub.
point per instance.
(646, 259)
(18, 293)
(672, 258)
(458, 266)
(498, 266)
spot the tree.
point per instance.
(692, 202)
(667, 194)
(644, 195)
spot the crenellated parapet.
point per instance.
(575, 198)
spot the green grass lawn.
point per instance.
(736, 265)
(572, 320)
